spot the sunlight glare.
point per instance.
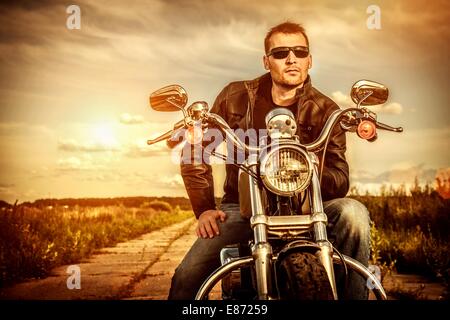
(104, 134)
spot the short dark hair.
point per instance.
(285, 27)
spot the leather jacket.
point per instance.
(236, 104)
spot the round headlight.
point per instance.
(286, 170)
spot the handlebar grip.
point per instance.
(168, 134)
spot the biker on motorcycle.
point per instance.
(244, 105)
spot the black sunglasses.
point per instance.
(283, 52)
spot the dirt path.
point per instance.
(412, 286)
(142, 269)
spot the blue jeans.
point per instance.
(348, 229)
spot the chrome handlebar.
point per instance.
(314, 146)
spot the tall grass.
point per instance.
(33, 241)
(411, 231)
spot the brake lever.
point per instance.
(383, 126)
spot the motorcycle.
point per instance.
(290, 256)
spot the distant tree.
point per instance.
(158, 205)
(4, 204)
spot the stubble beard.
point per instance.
(289, 84)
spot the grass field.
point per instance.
(410, 232)
(33, 241)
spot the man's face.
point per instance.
(291, 71)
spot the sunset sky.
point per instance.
(74, 103)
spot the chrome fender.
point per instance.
(219, 273)
(353, 264)
(357, 266)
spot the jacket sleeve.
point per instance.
(197, 175)
(335, 175)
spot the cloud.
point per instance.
(169, 180)
(405, 150)
(83, 163)
(344, 101)
(126, 118)
(107, 175)
(174, 181)
(69, 164)
(391, 108)
(140, 149)
(402, 178)
(71, 145)
(29, 5)
(22, 129)
(362, 176)
(397, 175)
(88, 169)
(54, 76)
(76, 164)
(6, 190)
(6, 185)
(43, 172)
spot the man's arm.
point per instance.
(197, 175)
(335, 175)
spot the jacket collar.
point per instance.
(252, 89)
(253, 85)
(303, 91)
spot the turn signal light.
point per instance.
(366, 130)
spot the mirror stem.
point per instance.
(364, 98)
(185, 115)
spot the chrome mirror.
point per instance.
(368, 93)
(169, 98)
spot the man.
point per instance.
(244, 105)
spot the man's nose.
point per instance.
(291, 58)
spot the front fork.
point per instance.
(320, 219)
(262, 250)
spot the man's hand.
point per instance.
(207, 224)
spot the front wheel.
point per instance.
(301, 276)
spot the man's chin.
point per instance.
(291, 83)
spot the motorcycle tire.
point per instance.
(301, 276)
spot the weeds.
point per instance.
(411, 233)
(33, 241)
(377, 242)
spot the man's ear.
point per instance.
(310, 62)
(266, 62)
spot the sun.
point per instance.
(104, 134)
